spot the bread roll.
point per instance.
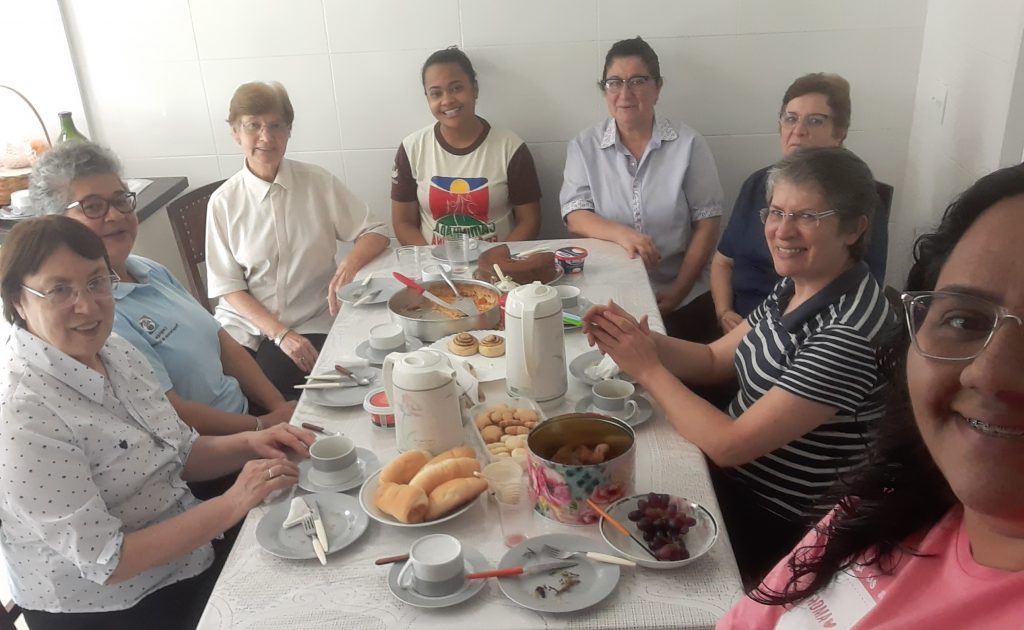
(405, 503)
(430, 477)
(453, 494)
(404, 467)
(458, 451)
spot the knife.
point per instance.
(325, 385)
(366, 298)
(543, 567)
(319, 525)
(412, 284)
(358, 293)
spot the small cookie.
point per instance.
(463, 344)
(492, 346)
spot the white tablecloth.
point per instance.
(258, 590)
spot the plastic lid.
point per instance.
(376, 401)
(544, 297)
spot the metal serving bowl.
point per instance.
(428, 324)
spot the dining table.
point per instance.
(257, 589)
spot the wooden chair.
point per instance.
(188, 220)
(9, 614)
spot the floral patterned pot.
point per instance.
(560, 490)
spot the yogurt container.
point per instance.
(571, 258)
(377, 405)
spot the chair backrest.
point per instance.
(9, 614)
(187, 214)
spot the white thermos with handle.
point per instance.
(535, 344)
(423, 393)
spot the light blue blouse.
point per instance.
(674, 183)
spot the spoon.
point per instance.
(344, 371)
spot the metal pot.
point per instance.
(414, 314)
(560, 491)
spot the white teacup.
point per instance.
(614, 397)
(335, 460)
(569, 295)
(435, 567)
(387, 337)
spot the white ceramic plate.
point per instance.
(487, 368)
(376, 357)
(597, 579)
(578, 366)
(346, 396)
(366, 500)
(475, 563)
(644, 410)
(344, 523)
(699, 540)
(352, 291)
(367, 462)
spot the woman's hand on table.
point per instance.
(275, 441)
(729, 320)
(281, 413)
(299, 350)
(257, 479)
(639, 244)
(346, 271)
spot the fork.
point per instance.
(310, 529)
(555, 552)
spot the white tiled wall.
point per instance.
(157, 76)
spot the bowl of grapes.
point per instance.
(670, 531)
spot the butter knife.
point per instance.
(366, 298)
(319, 525)
(544, 567)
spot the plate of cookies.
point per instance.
(482, 350)
(417, 490)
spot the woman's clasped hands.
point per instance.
(623, 337)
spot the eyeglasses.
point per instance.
(953, 326)
(63, 294)
(96, 207)
(812, 121)
(803, 219)
(615, 84)
(254, 128)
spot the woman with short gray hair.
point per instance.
(806, 360)
(212, 382)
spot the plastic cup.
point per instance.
(456, 250)
(515, 511)
(410, 261)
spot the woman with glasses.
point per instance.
(651, 186)
(815, 112)
(212, 382)
(272, 235)
(99, 529)
(930, 533)
(806, 360)
(460, 175)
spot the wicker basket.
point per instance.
(12, 179)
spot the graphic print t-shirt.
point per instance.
(470, 190)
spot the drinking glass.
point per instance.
(515, 511)
(457, 251)
(410, 261)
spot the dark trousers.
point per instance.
(759, 538)
(696, 322)
(279, 367)
(175, 607)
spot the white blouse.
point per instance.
(278, 241)
(84, 460)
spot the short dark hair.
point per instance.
(836, 91)
(842, 178)
(259, 98)
(449, 55)
(635, 47)
(28, 246)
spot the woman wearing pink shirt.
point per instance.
(931, 533)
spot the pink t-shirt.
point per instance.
(946, 591)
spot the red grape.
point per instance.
(635, 515)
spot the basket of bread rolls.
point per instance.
(503, 425)
(417, 489)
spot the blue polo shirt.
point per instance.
(753, 271)
(178, 337)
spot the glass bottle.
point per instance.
(68, 131)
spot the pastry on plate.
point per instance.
(463, 344)
(492, 346)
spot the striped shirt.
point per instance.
(823, 351)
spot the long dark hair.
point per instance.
(899, 491)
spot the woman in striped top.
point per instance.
(807, 360)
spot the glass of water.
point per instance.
(457, 249)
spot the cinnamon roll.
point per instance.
(463, 344)
(492, 346)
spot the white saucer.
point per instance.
(376, 357)
(346, 395)
(644, 410)
(579, 365)
(475, 563)
(386, 287)
(368, 464)
(343, 521)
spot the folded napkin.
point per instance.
(604, 369)
(296, 512)
(465, 381)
